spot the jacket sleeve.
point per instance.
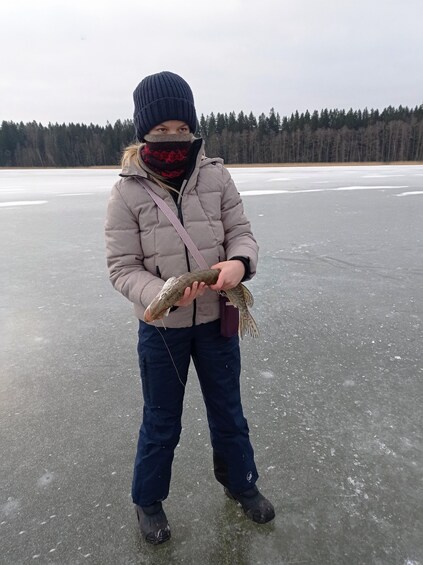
(124, 253)
(239, 239)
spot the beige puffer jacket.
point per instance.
(144, 250)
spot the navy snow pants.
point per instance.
(164, 358)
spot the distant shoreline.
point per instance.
(245, 165)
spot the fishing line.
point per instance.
(171, 358)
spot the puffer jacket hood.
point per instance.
(143, 248)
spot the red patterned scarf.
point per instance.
(166, 157)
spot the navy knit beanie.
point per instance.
(161, 97)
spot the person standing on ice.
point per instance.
(143, 251)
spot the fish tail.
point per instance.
(247, 325)
(248, 297)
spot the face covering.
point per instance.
(167, 155)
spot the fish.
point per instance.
(174, 288)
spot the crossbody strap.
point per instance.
(182, 232)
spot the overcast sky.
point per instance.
(80, 60)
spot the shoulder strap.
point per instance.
(182, 232)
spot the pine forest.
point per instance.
(328, 136)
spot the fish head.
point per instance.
(159, 306)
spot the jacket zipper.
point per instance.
(181, 219)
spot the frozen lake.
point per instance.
(332, 389)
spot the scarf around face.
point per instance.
(167, 155)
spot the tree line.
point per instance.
(328, 136)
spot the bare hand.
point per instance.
(191, 293)
(231, 274)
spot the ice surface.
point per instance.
(331, 390)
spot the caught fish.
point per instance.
(174, 288)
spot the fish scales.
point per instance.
(174, 289)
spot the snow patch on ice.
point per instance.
(22, 203)
(75, 194)
(10, 507)
(279, 179)
(380, 176)
(368, 187)
(261, 192)
(267, 374)
(358, 486)
(45, 479)
(410, 193)
(302, 191)
(384, 448)
(348, 383)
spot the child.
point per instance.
(143, 251)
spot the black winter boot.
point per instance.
(153, 523)
(256, 507)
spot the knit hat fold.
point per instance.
(161, 97)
